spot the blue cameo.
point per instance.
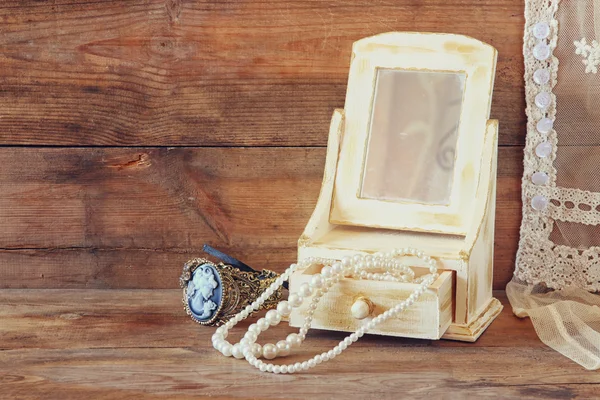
(204, 292)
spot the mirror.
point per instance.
(411, 147)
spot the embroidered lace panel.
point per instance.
(561, 182)
(560, 235)
(590, 54)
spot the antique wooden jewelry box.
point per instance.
(411, 162)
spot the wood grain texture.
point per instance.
(129, 218)
(173, 73)
(88, 318)
(139, 344)
(196, 73)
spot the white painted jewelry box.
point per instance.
(384, 188)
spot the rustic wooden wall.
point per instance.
(133, 132)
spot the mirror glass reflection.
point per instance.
(412, 142)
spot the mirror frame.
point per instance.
(425, 52)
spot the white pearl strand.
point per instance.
(331, 273)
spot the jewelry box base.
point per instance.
(472, 331)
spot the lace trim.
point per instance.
(590, 53)
(567, 204)
(539, 260)
(562, 266)
(574, 205)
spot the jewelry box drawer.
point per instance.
(340, 309)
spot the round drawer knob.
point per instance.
(361, 308)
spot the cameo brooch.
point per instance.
(214, 293)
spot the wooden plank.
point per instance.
(138, 343)
(417, 373)
(508, 214)
(168, 72)
(88, 318)
(113, 268)
(156, 198)
(129, 217)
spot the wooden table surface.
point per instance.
(132, 132)
(97, 344)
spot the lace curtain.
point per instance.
(558, 262)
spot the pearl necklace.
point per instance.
(357, 267)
